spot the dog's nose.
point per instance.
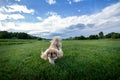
(53, 55)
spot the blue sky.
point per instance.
(64, 18)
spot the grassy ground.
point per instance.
(83, 60)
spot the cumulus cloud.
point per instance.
(18, 0)
(51, 13)
(11, 16)
(39, 18)
(17, 8)
(77, 0)
(51, 1)
(79, 10)
(69, 1)
(15, 16)
(14, 12)
(3, 17)
(107, 20)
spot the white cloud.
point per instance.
(39, 18)
(17, 8)
(77, 0)
(18, 0)
(79, 10)
(14, 12)
(51, 1)
(15, 16)
(51, 13)
(11, 16)
(69, 1)
(107, 20)
(3, 17)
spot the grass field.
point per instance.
(82, 60)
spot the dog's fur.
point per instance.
(54, 51)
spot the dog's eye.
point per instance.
(49, 55)
(52, 55)
(55, 54)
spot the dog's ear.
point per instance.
(44, 55)
(59, 53)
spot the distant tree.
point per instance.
(39, 38)
(4, 35)
(93, 37)
(80, 38)
(108, 35)
(76, 38)
(113, 35)
(22, 36)
(15, 35)
(101, 35)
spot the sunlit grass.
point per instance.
(82, 60)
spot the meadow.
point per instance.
(82, 60)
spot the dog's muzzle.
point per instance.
(52, 55)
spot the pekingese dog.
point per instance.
(54, 51)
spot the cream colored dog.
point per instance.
(54, 51)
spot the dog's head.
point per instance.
(52, 53)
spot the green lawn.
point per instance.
(82, 60)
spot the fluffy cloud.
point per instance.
(79, 10)
(11, 16)
(18, 0)
(13, 12)
(39, 18)
(3, 17)
(51, 1)
(77, 0)
(17, 8)
(15, 16)
(51, 13)
(70, 1)
(107, 20)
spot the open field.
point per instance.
(83, 60)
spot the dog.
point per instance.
(54, 51)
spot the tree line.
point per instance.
(16, 35)
(100, 35)
(22, 35)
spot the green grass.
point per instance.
(82, 60)
(13, 41)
